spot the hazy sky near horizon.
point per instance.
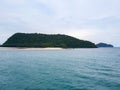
(93, 20)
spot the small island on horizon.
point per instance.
(36, 40)
(105, 45)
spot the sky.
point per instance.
(92, 20)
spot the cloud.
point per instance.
(14, 2)
(85, 19)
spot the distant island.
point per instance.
(46, 40)
(104, 45)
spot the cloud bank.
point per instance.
(94, 20)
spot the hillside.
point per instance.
(46, 40)
(104, 45)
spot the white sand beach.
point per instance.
(19, 48)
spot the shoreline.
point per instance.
(27, 48)
(40, 49)
(45, 49)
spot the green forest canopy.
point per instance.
(46, 40)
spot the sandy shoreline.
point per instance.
(19, 48)
(41, 48)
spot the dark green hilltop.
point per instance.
(46, 40)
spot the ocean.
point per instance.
(66, 69)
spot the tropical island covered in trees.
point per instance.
(46, 40)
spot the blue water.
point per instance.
(70, 69)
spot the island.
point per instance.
(104, 45)
(46, 40)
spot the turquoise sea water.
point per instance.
(70, 69)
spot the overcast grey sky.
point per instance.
(93, 20)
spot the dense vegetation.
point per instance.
(104, 45)
(46, 40)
